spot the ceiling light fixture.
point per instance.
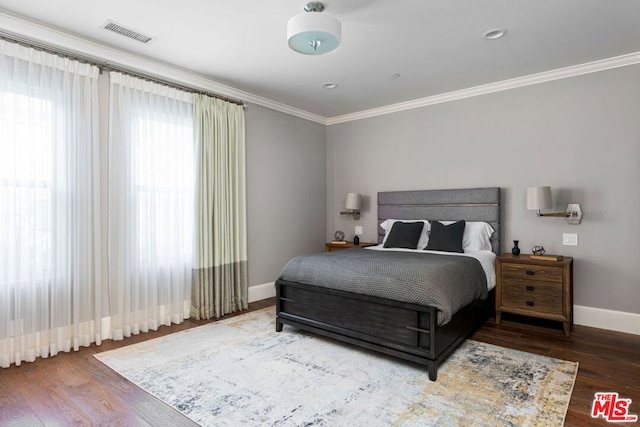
(495, 34)
(312, 32)
(330, 85)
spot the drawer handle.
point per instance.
(424, 331)
(530, 288)
(530, 303)
(286, 299)
(530, 273)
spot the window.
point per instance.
(164, 180)
(25, 187)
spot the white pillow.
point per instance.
(424, 236)
(477, 236)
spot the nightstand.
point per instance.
(328, 247)
(536, 288)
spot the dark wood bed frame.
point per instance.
(407, 331)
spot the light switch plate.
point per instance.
(358, 230)
(570, 239)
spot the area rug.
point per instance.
(240, 372)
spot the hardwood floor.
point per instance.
(608, 361)
(76, 389)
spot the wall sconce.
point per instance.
(539, 198)
(352, 205)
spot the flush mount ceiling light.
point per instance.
(494, 34)
(313, 32)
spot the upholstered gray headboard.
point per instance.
(470, 204)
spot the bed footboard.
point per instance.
(407, 331)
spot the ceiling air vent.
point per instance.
(127, 32)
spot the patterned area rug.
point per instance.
(240, 371)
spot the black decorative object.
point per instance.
(515, 250)
(356, 240)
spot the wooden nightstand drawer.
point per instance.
(532, 272)
(542, 297)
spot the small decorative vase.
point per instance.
(515, 250)
(356, 240)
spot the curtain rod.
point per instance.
(105, 66)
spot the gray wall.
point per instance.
(286, 190)
(579, 135)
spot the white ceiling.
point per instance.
(436, 46)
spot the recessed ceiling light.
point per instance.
(330, 85)
(395, 76)
(494, 34)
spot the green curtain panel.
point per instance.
(220, 275)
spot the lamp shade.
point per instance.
(352, 201)
(314, 33)
(539, 198)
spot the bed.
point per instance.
(394, 321)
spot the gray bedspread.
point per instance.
(443, 281)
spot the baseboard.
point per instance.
(260, 292)
(619, 321)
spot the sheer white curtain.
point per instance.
(151, 190)
(50, 280)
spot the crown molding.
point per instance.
(547, 76)
(32, 32)
(49, 37)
